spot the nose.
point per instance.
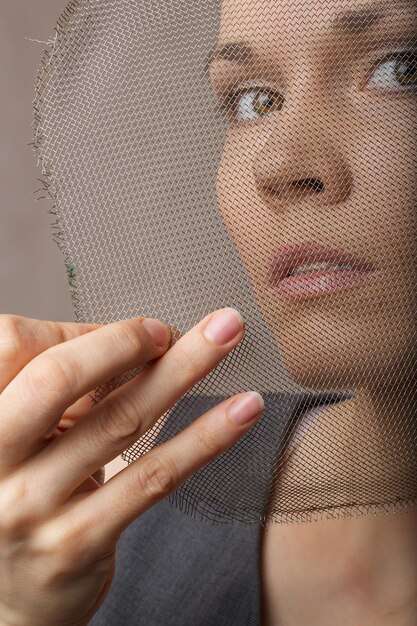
(301, 159)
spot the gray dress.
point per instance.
(174, 570)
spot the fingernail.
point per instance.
(224, 326)
(246, 408)
(160, 333)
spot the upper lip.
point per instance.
(290, 255)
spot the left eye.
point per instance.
(247, 105)
(396, 72)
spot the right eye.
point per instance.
(246, 105)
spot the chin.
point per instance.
(318, 376)
(320, 364)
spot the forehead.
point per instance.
(291, 20)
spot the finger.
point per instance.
(32, 404)
(129, 412)
(77, 411)
(82, 406)
(109, 510)
(22, 338)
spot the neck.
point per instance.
(364, 568)
(382, 404)
(380, 568)
(388, 435)
(347, 572)
(354, 453)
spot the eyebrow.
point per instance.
(350, 22)
(236, 51)
(358, 21)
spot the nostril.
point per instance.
(313, 184)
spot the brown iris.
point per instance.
(266, 102)
(406, 69)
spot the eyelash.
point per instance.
(230, 99)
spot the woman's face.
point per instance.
(321, 109)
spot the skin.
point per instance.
(338, 124)
(59, 525)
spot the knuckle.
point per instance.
(65, 549)
(11, 337)
(49, 375)
(15, 519)
(49, 540)
(119, 419)
(129, 337)
(207, 441)
(188, 364)
(157, 478)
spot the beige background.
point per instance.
(32, 271)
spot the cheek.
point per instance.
(245, 216)
(386, 228)
(386, 184)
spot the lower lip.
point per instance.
(316, 284)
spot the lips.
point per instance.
(289, 256)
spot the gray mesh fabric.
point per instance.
(260, 155)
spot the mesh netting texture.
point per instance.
(258, 155)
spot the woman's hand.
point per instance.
(59, 527)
